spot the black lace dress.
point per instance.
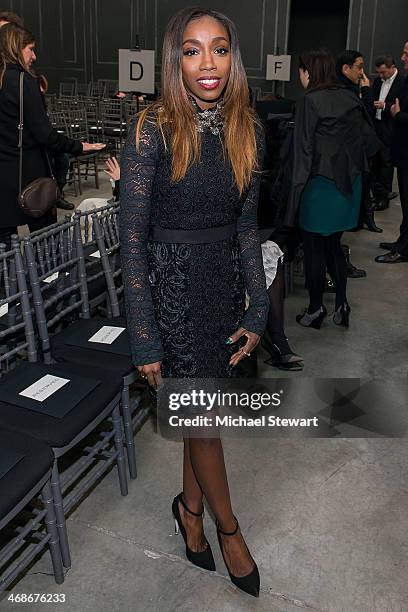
(184, 300)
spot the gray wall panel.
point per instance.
(391, 29)
(85, 45)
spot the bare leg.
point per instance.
(207, 463)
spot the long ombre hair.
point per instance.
(13, 39)
(175, 114)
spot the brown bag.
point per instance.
(39, 196)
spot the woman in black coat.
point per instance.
(333, 139)
(17, 55)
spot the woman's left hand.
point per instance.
(113, 168)
(245, 351)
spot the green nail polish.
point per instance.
(228, 341)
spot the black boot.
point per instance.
(64, 204)
(369, 222)
(380, 205)
(352, 271)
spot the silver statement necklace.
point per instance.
(210, 119)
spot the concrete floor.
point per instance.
(326, 519)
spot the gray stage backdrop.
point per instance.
(79, 39)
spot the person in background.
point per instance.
(398, 250)
(9, 17)
(60, 161)
(17, 55)
(330, 159)
(350, 73)
(386, 88)
(113, 171)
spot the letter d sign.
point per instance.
(136, 71)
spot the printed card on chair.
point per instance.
(44, 387)
(107, 334)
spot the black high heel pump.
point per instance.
(342, 316)
(314, 320)
(249, 583)
(288, 360)
(203, 559)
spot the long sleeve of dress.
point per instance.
(137, 173)
(256, 316)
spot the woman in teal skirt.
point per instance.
(332, 132)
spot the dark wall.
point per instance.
(78, 39)
(312, 21)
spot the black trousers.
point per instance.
(382, 167)
(61, 167)
(365, 204)
(402, 242)
(33, 225)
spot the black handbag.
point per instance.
(42, 194)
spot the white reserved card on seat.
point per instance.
(107, 334)
(52, 277)
(44, 387)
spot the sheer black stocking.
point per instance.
(275, 325)
(204, 473)
(321, 253)
(337, 266)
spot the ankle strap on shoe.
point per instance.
(183, 503)
(229, 533)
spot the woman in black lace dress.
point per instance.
(190, 249)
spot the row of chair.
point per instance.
(91, 120)
(101, 88)
(48, 340)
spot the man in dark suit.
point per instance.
(399, 152)
(386, 88)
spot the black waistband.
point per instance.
(192, 236)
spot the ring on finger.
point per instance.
(245, 353)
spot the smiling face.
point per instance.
(206, 62)
(28, 55)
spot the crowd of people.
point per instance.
(188, 186)
(348, 136)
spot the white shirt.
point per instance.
(384, 91)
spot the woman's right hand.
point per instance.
(92, 146)
(152, 372)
